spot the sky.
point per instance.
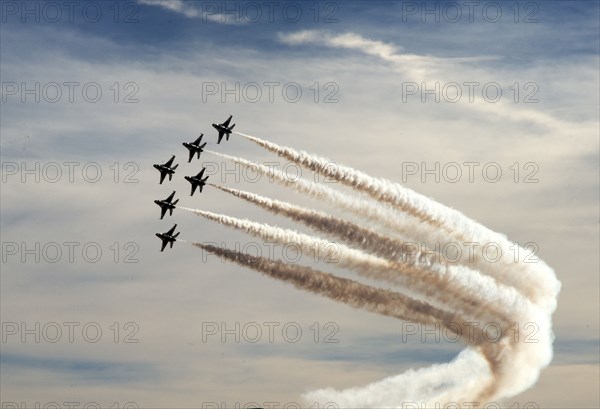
(488, 107)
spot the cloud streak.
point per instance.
(188, 10)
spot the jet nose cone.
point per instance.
(156, 201)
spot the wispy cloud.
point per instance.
(177, 6)
(416, 64)
(96, 370)
(188, 10)
(347, 40)
(428, 69)
(388, 52)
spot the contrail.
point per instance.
(351, 233)
(543, 288)
(391, 219)
(359, 237)
(385, 217)
(417, 388)
(453, 287)
(344, 290)
(363, 263)
(409, 202)
(505, 291)
(372, 299)
(462, 289)
(359, 295)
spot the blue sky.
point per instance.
(161, 56)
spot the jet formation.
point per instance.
(197, 182)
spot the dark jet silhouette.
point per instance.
(166, 169)
(195, 147)
(224, 128)
(167, 204)
(197, 181)
(168, 238)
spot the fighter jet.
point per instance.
(167, 204)
(197, 181)
(168, 238)
(224, 128)
(166, 169)
(195, 147)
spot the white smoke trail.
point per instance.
(408, 227)
(416, 388)
(463, 290)
(359, 295)
(351, 233)
(386, 303)
(348, 291)
(518, 364)
(323, 249)
(385, 217)
(382, 246)
(537, 282)
(493, 351)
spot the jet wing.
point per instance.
(170, 198)
(163, 210)
(197, 141)
(170, 232)
(191, 156)
(162, 176)
(170, 162)
(164, 244)
(226, 123)
(221, 133)
(200, 174)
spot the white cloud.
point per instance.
(425, 71)
(177, 6)
(187, 9)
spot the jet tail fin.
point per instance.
(231, 127)
(176, 234)
(175, 202)
(175, 167)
